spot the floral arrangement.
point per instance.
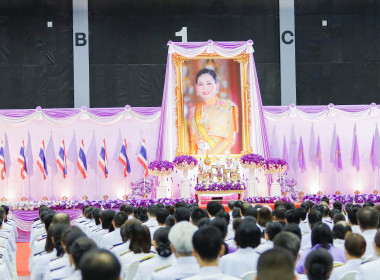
(353, 198)
(275, 165)
(160, 168)
(182, 162)
(252, 161)
(220, 186)
(267, 199)
(106, 204)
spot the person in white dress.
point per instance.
(368, 220)
(163, 258)
(114, 238)
(276, 263)
(180, 237)
(247, 238)
(355, 246)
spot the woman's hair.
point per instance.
(124, 230)
(141, 213)
(161, 236)
(264, 216)
(140, 238)
(81, 246)
(56, 232)
(207, 71)
(321, 234)
(318, 264)
(69, 235)
(107, 218)
(170, 221)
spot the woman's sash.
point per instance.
(200, 127)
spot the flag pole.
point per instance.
(337, 181)
(23, 188)
(84, 187)
(44, 188)
(319, 180)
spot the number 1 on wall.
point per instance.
(182, 33)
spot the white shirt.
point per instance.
(369, 270)
(239, 262)
(151, 222)
(77, 275)
(111, 239)
(211, 273)
(128, 258)
(304, 226)
(42, 265)
(14, 226)
(59, 267)
(356, 229)
(339, 243)
(146, 268)
(183, 267)
(306, 241)
(349, 266)
(264, 247)
(328, 222)
(369, 236)
(4, 272)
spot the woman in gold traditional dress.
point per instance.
(214, 121)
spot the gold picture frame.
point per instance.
(242, 59)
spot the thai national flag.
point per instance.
(61, 159)
(103, 159)
(22, 161)
(123, 158)
(41, 161)
(143, 159)
(82, 163)
(2, 161)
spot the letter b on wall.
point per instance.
(80, 39)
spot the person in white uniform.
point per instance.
(339, 233)
(208, 247)
(319, 264)
(114, 238)
(247, 238)
(370, 270)
(10, 222)
(106, 218)
(276, 263)
(161, 216)
(368, 220)
(271, 230)
(353, 220)
(180, 237)
(152, 221)
(355, 246)
(100, 264)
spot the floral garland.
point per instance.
(266, 199)
(182, 162)
(223, 186)
(252, 161)
(78, 204)
(352, 198)
(275, 165)
(160, 168)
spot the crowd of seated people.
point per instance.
(315, 241)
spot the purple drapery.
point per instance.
(319, 108)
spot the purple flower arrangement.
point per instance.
(223, 186)
(160, 168)
(106, 204)
(267, 199)
(353, 198)
(185, 161)
(252, 161)
(275, 165)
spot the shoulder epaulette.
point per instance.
(57, 258)
(162, 267)
(40, 253)
(57, 268)
(115, 245)
(3, 237)
(126, 252)
(338, 264)
(42, 238)
(147, 258)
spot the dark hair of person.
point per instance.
(318, 208)
(42, 208)
(125, 233)
(206, 71)
(326, 210)
(2, 213)
(107, 217)
(180, 204)
(305, 205)
(236, 213)
(293, 216)
(377, 239)
(141, 213)
(289, 241)
(122, 207)
(231, 205)
(99, 264)
(161, 215)
(236, 223)
(272, 229)
(205, 221)
(369, 203)
(197, 214)
(120, 218)
(128, 209)
(275, 263)
(56, 234)
(170, 221)
(152, 210)
(338, 205)
(161, 237)
(6, 209)
(339, 218)
(221, 224)
(182, 214)
(238, 204)
(69, 235)
(279, 213)
(48, 219)
(314, 217)
(251, 212)
(340, 230)
(288, 205)
(321, 234)
(325, 199)
(84, 208)
(311, 203)
(352, 215)
(87, 212)
(224, 215)
(295, 229)
(172, 210)
(355, 245)
(140, 240)
(96, 215)
(318, 264)
(79, 247)
(347, 206)
(248, 234)
(368, 218)
(213, 207)
(334, 212)
(264, 216)
(61, 218)
(278, 203)
(207, 242)
(302, 212)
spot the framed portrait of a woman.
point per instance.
(212, 117)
